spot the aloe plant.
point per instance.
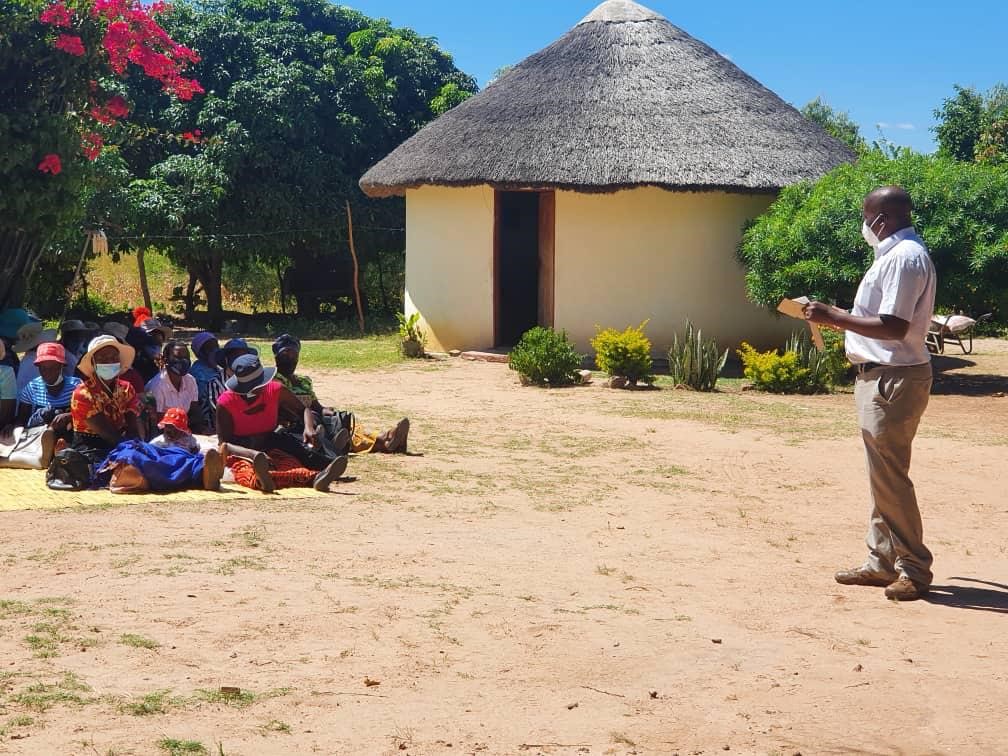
(695, 363)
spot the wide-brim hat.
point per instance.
(234, 345)
(118, 330)
(13, 319)
(126, 354)
(30, 335)
(153, 325)
(46, 334)
(249, 374)
(200, 340)
(72, 326)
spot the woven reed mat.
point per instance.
(26, 489)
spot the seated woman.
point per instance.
(286, 353)
(209, 377)
(174, 387)
(247, 416)
(45, 401)
(105, 415)
(8, 390)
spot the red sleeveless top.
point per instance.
(258, 416)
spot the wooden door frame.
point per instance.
(547, 259)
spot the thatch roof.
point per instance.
(624, 99)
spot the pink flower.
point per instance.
(56, 15)
(91, 145)
(117, 107)
(51, 164)
(70, 43)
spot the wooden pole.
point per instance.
(144, 288)
(356, 268)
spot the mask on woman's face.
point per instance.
(58, 382)
(179, 365)
(108, 370)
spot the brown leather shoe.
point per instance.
(905, 589)
(861, 576)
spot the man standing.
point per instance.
(885, 342)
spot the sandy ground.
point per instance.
(570, 571)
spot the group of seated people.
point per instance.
(126, 407)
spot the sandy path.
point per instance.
(570, 571)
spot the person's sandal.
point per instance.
(331, 474)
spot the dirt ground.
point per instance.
(568, 571)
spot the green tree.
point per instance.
(61, 71)
(809, 242)
(837, 124)
(960, 122)
(301, 98)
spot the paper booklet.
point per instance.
(795, 308)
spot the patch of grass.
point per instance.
(241, 563)
(253, 537)
(155, 702)
(138, 641)
(238, 700)
(605, 570)
(23, 721)
(174, 747)
(45, 640)
(41, 697)
(275, 725)
(622, 739)
(362, 353)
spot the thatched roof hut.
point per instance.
(602, 180)
(624, 99)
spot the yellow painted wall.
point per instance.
(449, 265)
(648, 253)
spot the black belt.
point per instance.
(864, 367)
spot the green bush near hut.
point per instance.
(544, 357)
(624, 354)
(695, 362)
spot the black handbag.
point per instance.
(69, 471)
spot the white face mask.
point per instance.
(107, 371)
(58, 382)
(869, 235)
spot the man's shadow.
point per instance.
(992, 599)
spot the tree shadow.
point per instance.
(990, 599)
(949, 383)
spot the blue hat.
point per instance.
(234, 345)
(249, 374)
(200, 340)
(13, 319)
(286, 341)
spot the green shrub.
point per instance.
(624, 353)
(694, 362)
(411, 335)
(801, 368)
(545, 358)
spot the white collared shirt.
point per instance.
(164, 393)
(901, 282)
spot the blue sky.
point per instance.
(884, 63)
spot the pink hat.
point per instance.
(50, 352)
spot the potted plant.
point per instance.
(412, 338)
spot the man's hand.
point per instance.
(309, 438)
(819, 312)
(61, 421)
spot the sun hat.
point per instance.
(249, 374)
(126, 354)
(30, 335)
(117, 330)
(177, 418)
(12, 319)
(286, 341)
(233, 345)
(72, 326)
(153, 325)
(50, 351)
(200, 340)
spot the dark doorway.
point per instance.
(518, 262)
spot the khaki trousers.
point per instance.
(890, 402)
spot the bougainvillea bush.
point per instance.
(62, 97)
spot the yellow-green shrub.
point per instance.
(777, 373)
(624, 353)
